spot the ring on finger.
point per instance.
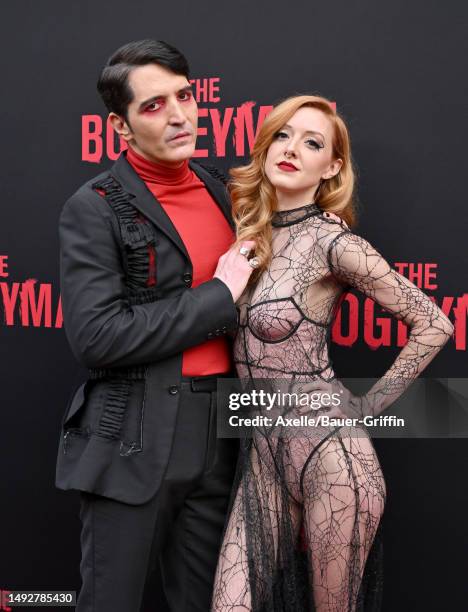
(244, 251)
(254, 262)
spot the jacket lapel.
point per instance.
(152, 208)
(145, 200)
(216, 189)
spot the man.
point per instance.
(147, 308)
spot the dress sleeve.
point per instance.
(355, 262)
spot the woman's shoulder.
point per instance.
(332, 218)
(339, 243)
(328, 227)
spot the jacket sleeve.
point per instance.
(102, 328)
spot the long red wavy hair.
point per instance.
(253, 196)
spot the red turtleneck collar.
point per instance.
(152, 172)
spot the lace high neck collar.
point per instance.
(283, 218)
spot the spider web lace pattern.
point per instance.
(304, 528)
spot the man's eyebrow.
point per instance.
(307, 131)
(142, 105)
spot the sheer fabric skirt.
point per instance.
(303, 532)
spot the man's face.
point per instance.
(162, 117)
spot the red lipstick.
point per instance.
(287, 166)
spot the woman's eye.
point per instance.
(281, 135)
(314, 144)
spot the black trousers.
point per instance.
(129, 552)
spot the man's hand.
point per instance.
(234, 268)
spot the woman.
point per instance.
(324, 487)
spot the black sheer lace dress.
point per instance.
(304, 531)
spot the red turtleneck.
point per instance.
(206, 235)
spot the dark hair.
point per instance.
(113, 84)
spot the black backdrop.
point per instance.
(396, 71)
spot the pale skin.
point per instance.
(161, 126)
(306, 142)
(341, 504)
(297, 188)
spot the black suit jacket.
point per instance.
(105, 331)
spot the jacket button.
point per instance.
(173, 390)
(187, 278)
(218, 332)
(224, 328)
(210, 335)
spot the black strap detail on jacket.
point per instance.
(110, 423)
(137, 372)
(214, 172)
(139, 239)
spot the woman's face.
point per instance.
(300, 154)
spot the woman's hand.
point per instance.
(336, 401)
